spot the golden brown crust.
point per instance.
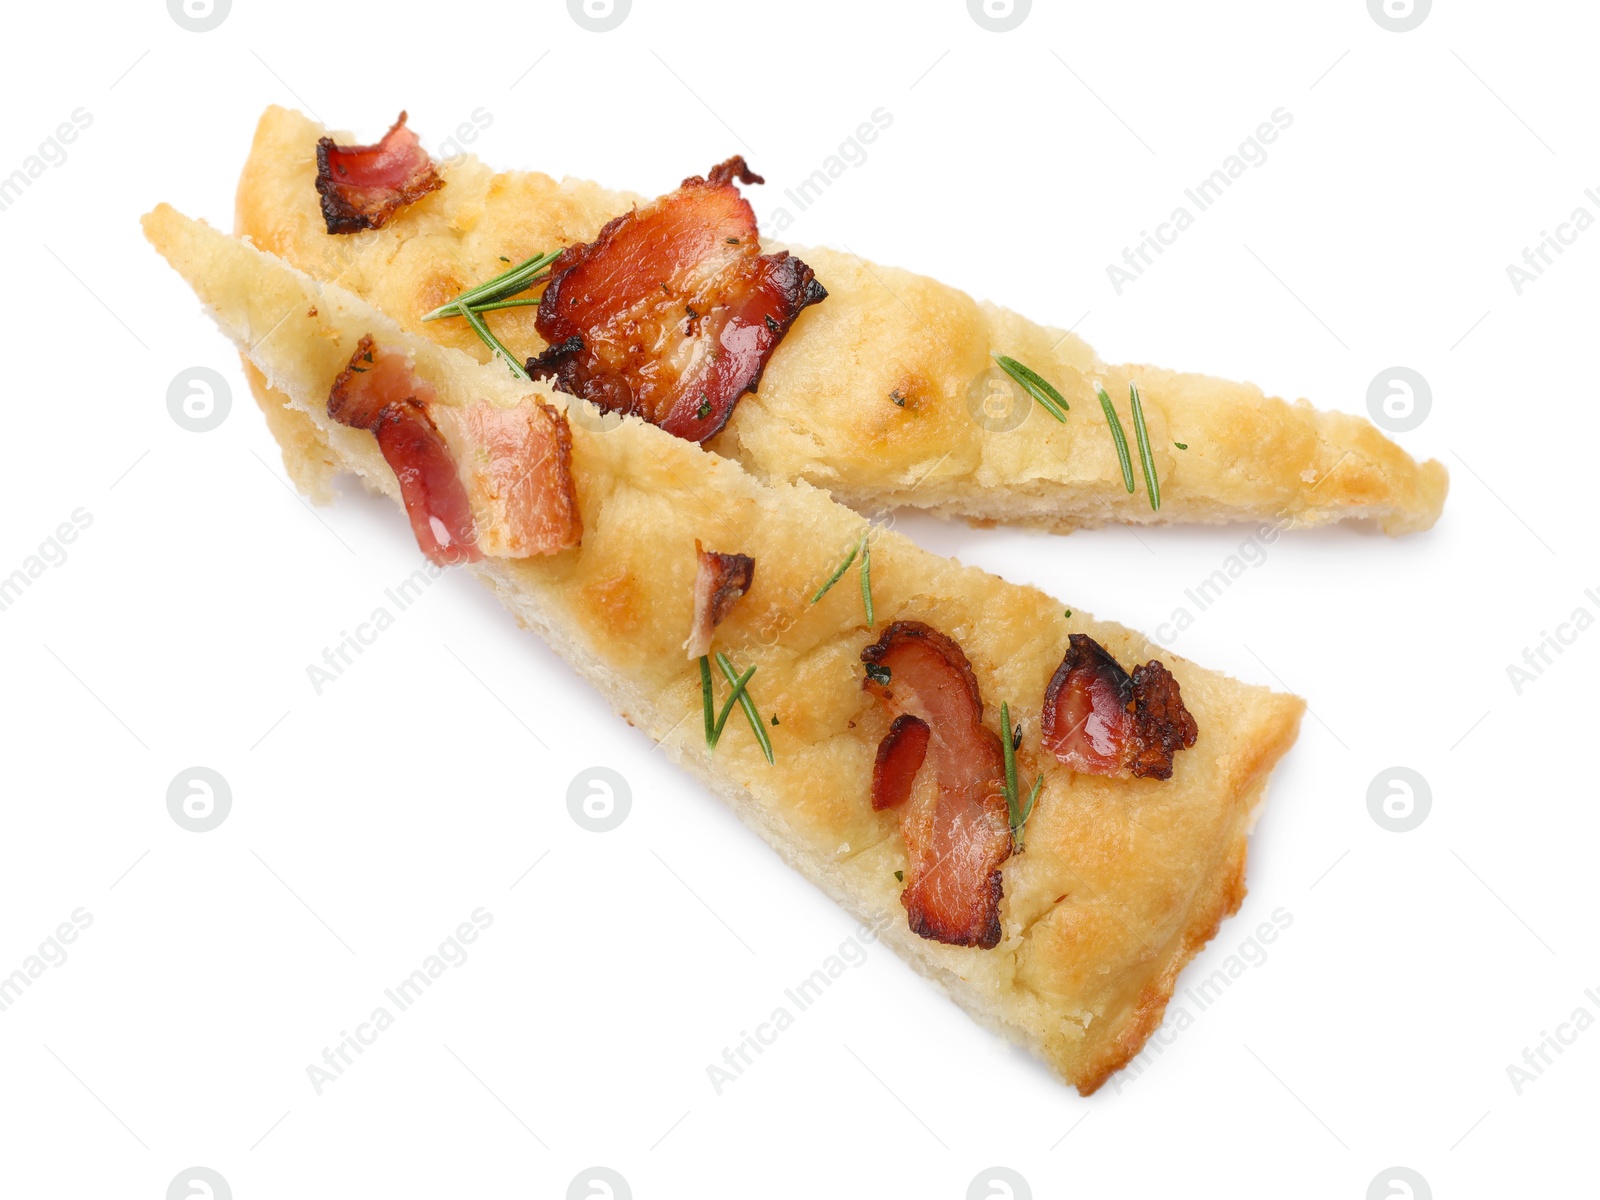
(879, 394)
(1122, 880)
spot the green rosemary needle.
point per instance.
(707, 702)
(1036, 385)
(1152, 484)
(1033, 798)
(748, 705)
(486, 335)
(1009, 750)
(838, 572)
(1117, 436)
(727, 705)
(1016, 815)
(503, 286)
(866, 576)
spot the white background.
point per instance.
(369, 821)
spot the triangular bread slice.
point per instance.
(873, 393)
(1121, 881)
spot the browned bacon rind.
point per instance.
(363, 186)
(1100, 720)
(672, 312)
(719, 581)
(956, 833)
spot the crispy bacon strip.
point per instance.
(672, 312)
(519, 462)
(720, 580)
(363, 186)
(957, 833)
(900, 757)
(1100, 720)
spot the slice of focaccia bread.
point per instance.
(886, 393)
(1120, 880)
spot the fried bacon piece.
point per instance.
(900, 757)
(1099, 720)
(519, 462)
(957, 832)
(363, 186)
(516, 463)
(720, 580)
(672, 312)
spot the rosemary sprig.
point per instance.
(1017, 815)
(866, 576)
(1152, 485)
(486, 335)
(839, 571)
(518, 302)
(495, 294)
(503, 286)
(1117, 436)
(747, 704)
(708, 702)
(1036, 385)
(727, 705)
